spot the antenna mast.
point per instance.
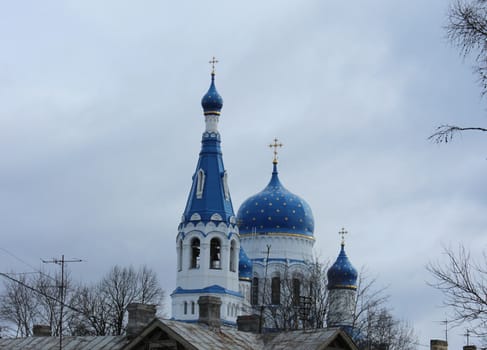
(62, 292)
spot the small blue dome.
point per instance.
(342, 275)
(244, 266)
(275, 210)
(212, 102)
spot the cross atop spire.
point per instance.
(213, 62)
(342, 233)
(275, 145)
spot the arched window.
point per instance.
(180, 255)
(195, 253)
(276, 291)
(225, 186)
(254, 298)
(215, 254)
(185, 307)
(233, 256)
(296, 291)
(200, 183)
(192, 308)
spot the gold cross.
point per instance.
(275, 145)
(212, 62)
(342, 233)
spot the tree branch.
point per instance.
(445, 133)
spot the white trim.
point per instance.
(216, 217)
(195, 217)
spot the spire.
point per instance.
(275, 178)
(209, 198)
(212, 102)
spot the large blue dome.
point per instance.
(244, 266)
(342, 274)
(212, 102)
(275, 210)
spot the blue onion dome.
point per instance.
(342, 274)
(244, 266)
(212, 102)
(275, 210)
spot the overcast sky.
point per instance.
(100, 129)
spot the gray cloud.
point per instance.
(100, 125)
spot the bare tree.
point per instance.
(97, 309)
(48, 296)
(18, 305)
(34, 298)
(94, 317)
(297, 298)
(463, 282)
(149, 290)
(103, 305)
(123, 286)
(280, 309)
(369, 300)
(119, 289)
(374, 325)
(383, 331)
(318, 291)
(467, 29)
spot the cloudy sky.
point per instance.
(100, 127)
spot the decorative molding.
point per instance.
(214, 289)
(216, 217)
(195, 217)
(277, 234)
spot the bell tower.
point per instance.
(208, 242)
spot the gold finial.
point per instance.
(213, 62)
(275, 145)
(342, 233)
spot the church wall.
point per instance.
(341, 307)
(285, 246)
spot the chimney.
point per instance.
(210, 311)
(41, 330)
(139, 316)
(436, 344)
(248, 323)
(469, 347)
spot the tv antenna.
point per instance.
(62, 291)
(445, 322)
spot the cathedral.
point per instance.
(243, 281)
(254, 261)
